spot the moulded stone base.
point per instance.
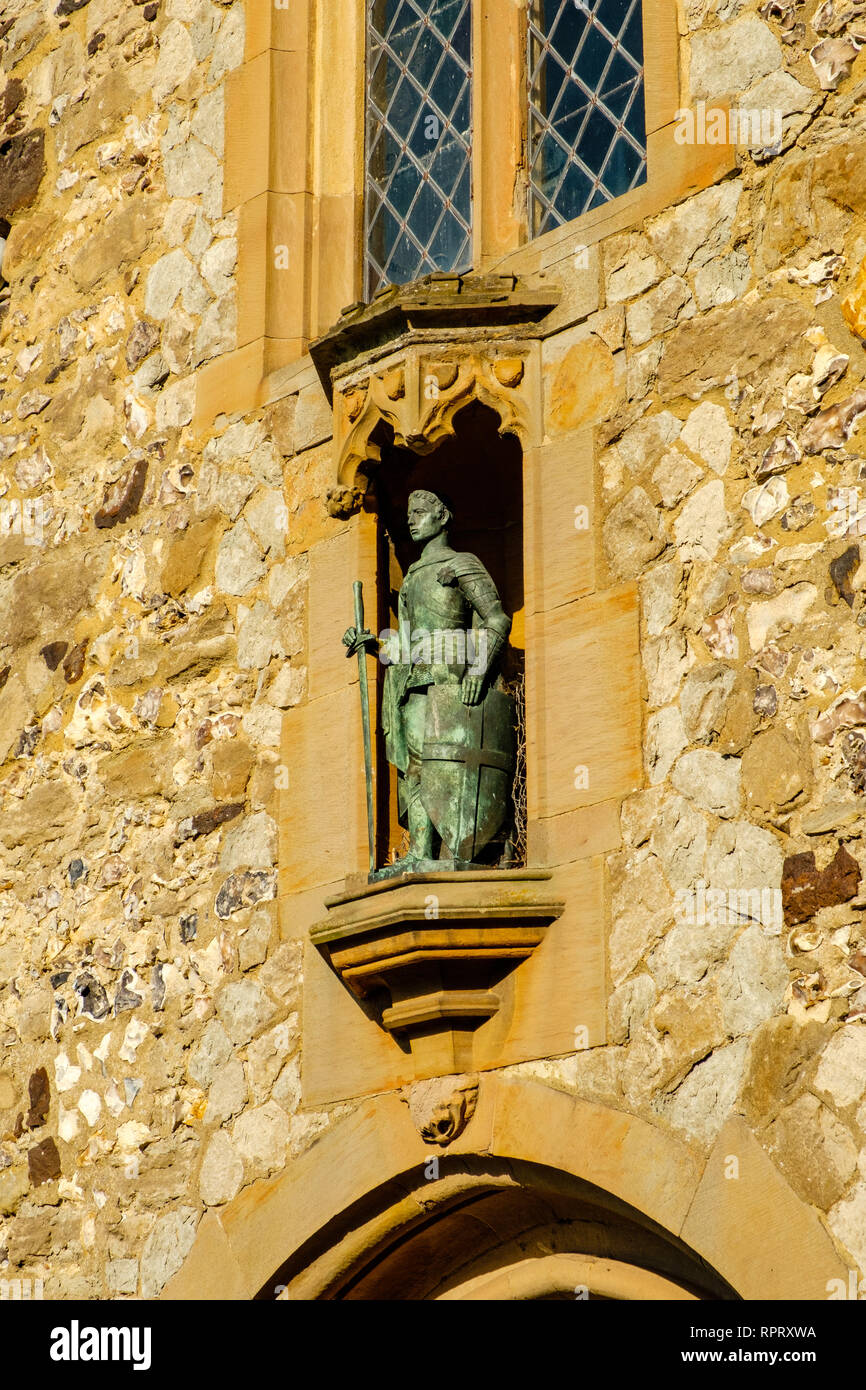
(435, 945)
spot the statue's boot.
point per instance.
(421, 833)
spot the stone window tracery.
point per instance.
(298, 163)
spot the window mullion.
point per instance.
(500, 124)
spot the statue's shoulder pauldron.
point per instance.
(478, 588)
(463, 567)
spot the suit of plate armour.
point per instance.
(441, 598)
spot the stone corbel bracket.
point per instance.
(414, 357)
(431, 949)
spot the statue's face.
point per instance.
(427, 518)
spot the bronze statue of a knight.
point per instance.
(449, 727)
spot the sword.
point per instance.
(357, 639)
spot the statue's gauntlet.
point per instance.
(487, 645)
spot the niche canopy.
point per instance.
(415, 356)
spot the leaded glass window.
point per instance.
(587, 122)
(419, 139)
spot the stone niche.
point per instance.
(480, 472)
(440, 385)
(429, 388)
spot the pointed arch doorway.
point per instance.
(499, 1230)
(541, 1196)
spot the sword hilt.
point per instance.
(356, 642)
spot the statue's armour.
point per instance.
(448, 594)
(442, 596)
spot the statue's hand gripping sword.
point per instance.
(357, 641)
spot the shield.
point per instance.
(467, 767)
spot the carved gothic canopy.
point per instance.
(413, 358)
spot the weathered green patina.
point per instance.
(449, 731)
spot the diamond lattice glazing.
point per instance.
(419, 139)
(587, 123)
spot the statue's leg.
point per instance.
(421, 831)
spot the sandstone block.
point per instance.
(727, 60)
(703, 522)
(704, 700)
(679, 840)
(101, 112)
(252, 844)
(665, 740)
(175, 62)
(228, 1092)
(775, 773)
(687, 952)
(122, 238)
(583, 385)
(700, 1106)
(261, 1137)
(176, 404)
(222, 1171)
(662, 592)
(122, 1276)
(239, 562)
(847, 1220)
(192, 171)
(708, 433)
(752, 983)
(841, 1072)
(259, 637)
(788, 609)
(212, 1052)
(174, 276)
(723, 280)
(698, 230)
(659, 310)
(630, 266)
(814, 1150)
(741, 341)
(228, 52)
(269, 1053)
(675, 475)
(641, 911)
(743, 856)
(185, 554)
